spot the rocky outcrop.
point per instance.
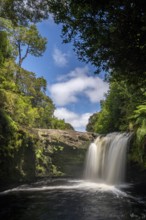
(62, 152)
(70, 138)
(46, 152)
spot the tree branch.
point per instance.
(19, 51)
(22, 58)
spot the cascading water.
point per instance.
(106, 158)
(61, 198)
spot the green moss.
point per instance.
(138, 151)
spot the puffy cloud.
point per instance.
(75, 83)
(60, 58)
(78, 121)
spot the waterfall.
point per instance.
(106, 158)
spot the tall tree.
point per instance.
(24, 40)
(28, 41)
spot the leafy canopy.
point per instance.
(23, 12)
(30, 39)
(24, 40)
(109, 34)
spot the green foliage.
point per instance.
(124, 109)
(117, 109)
(55, 171)
(92, 120)
(24, 12)
(30, 39)
(109, 34)
(24, 40)
(23, 103)
(5, 24)
(139, 118)
(60, 124)
(44, 164)
(7, 126)
(24, 113)
(5, 49)
(6, 36)
(138, 151)
(97, 30)
(114, 112)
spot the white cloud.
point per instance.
(78, 121)
(60, 58)
(77, 82)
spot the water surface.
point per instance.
(68, 199)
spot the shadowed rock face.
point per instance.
(66, 149)
(46, 152)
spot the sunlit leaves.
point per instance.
(60, 124)
(23, 101)
(28, 41)
(139, 117)
(5, 47)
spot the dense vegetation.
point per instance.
(111, 35)
(124, 109)
(24, 103)
(108, 34)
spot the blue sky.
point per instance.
(72, 85)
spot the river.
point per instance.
(70, 199)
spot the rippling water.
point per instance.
(62, 199)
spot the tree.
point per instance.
(23, 101)
(22, 12)
(24, 40)
(60, 124)
(30, 40)
(92, 121)
(109, 34)
(5, 48)
(116, 109)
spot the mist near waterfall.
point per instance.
(106, 158)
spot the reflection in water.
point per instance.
(70, 200)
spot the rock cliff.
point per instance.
(62, 152)
(70, 138)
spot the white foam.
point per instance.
(77, 185)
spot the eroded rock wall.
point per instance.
(62, 152)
